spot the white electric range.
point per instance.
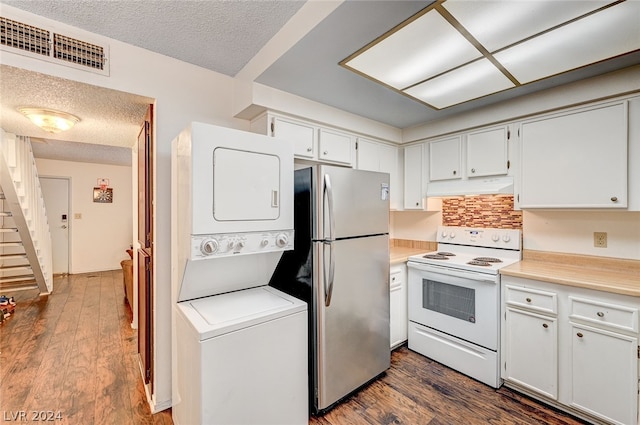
(454, 298)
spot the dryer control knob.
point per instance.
(209, 246)
(264, 242)
(452, 235)
(282, 240)
(495, 237)
(240, 245)
(506, 238)
(444, 233)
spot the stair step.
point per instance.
(9, 230)
(23, 285)
(17, 278)
(12, 256)
(15, 268)
(9, 244)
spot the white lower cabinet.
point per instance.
(604, 374)
(572, 347)
(398, 314)
(532, 351)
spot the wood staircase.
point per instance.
(25, 241)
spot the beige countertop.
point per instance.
(400, 254)
(613, 275)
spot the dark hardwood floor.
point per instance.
(74, 353)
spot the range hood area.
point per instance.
(477, 186)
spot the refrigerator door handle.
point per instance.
(328, 193)
(328, 290)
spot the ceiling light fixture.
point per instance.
(50, 120)
(455, 51)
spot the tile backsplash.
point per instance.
(494, 211)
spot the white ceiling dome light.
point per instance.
(50, 120)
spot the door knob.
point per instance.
(64, 226)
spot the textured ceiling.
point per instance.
(108, 117)
(222, 35)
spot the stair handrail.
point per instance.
(21, 185)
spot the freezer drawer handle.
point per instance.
(328, 193)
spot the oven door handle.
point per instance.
(444, 271)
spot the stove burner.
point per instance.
(488, 259)
(477, 262)
(446, 254)
(437, 256)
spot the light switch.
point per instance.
(77, 216)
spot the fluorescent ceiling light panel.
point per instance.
(606, 34)
(422, 49)
(471, 81)
(500, 23)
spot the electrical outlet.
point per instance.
(77, 216)
(600, 239)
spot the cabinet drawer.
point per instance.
(532, 299)
(395, 279)
(604, 314)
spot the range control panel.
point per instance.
(481, 237)
(225, 244)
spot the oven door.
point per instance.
(459, 303)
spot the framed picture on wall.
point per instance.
(104, 196)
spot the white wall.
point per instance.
(99, 239)
(415, 225)
(572, 232)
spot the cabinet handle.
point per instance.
(473, 170)
(454, 172)
(416, 204)
(579, 334)
(309, 149)
(614, 199)
(544, 325)
(600, 314)
(325, 152)
(528, 300)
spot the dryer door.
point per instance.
(246, 185)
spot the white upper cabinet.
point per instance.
(444, 159)
(335, 146)
(302, 135)
(575, 159)
(311, 142)
(413, 175)
(487, 152)
(368, 155)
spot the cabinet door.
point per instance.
(604, 374)
(301, 134)
(413, 194)
(368, 157)
(335, 147)
(487, 152)
(531, 351)
(575, 160)
(444, 159)
(398, 317)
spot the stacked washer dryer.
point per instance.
(239, 346)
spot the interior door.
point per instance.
(145, 315)
(145, 182)
(145, 253)
(56, 199)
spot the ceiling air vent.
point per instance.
(78, 52)
(44, 44)
(24, 37)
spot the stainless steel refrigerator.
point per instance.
(340, 267)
